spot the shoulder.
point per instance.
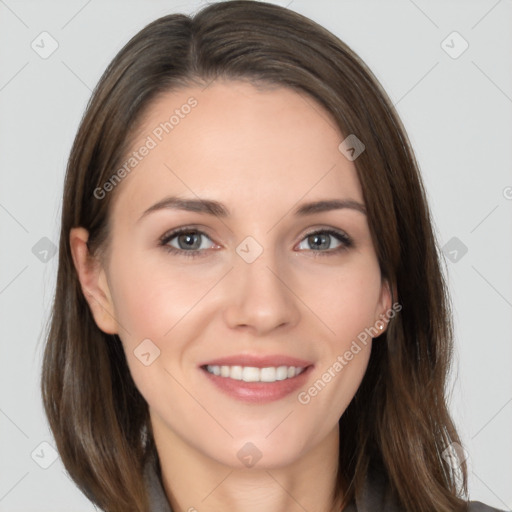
(478, 506)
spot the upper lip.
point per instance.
(258, 361)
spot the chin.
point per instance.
(258, 452)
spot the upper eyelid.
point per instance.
(172, 233)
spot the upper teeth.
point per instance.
(252, 374)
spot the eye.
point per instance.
(187, 242)
(321, 242)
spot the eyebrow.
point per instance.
(211, 207)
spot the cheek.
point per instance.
(346, 301)
(151, 298)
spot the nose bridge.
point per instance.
(258, 293)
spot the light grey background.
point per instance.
(458, 115)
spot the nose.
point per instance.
(260, 297)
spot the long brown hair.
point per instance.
(398, 421)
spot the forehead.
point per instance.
(236, 143)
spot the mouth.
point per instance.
(257, 379)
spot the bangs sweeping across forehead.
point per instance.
(398, 420)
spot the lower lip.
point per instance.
(258, 392)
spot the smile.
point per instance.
(253, 374)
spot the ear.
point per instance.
(93, 281)
(384, 305)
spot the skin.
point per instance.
(262, 153)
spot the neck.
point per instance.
(194, 482)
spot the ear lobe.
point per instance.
(93, 281)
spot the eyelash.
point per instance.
(345, 240)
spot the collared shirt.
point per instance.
(375, 495)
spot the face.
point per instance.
(241, 276)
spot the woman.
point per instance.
(250, 312)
